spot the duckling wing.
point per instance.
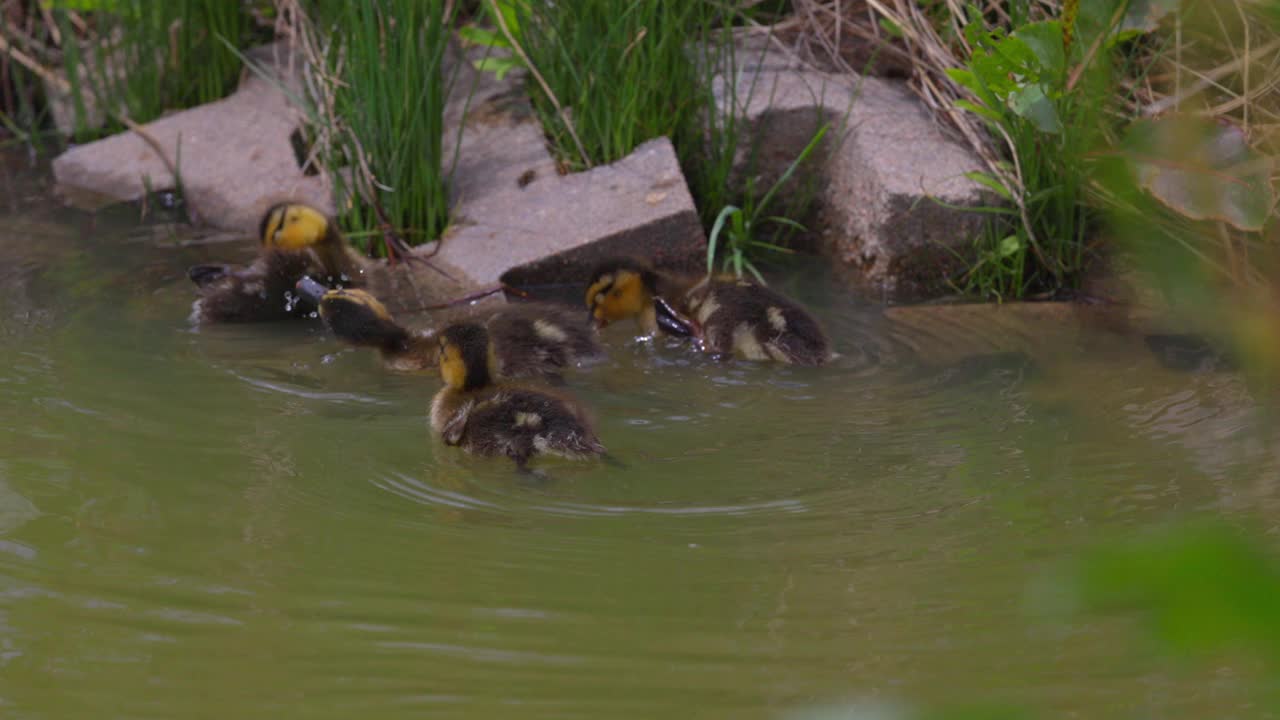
(540, 340)
(257, 292)
(522, 423)
(756, 323)
(454, 428)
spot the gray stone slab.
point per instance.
(234, 156)
(552, 228)
(518, 220)
(887, 170)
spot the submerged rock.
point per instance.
(891, 189)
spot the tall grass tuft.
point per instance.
(378, 115)
(140, 57)
(609, 75)
(621, 69)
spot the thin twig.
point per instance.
(1205, 80)
(472, 297)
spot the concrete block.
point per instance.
(234, 155)
(884, 163)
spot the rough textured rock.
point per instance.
(887, 173)
(518, 221)
(234, 156)
(550, 230)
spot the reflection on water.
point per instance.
(252, 521)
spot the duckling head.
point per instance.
(620, 289)
(360, 319)
(465, 356)
(294, 226)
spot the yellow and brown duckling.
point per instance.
(530, 340)
(491, 419)
(259, 292)
(727, 315)
(295, 240)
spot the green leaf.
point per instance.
(81, 5)
(499, 66)
(974, 29)
(1018, 57)
(787, 222)
(1044, 40)
(714, 238)
(964, 78)
(481, 36)
(1010, 245)
(979, 110)
(995, 74)
(891, 27)
(509, 11)
(791, 169)
(1139, 17)
(1203, 587)
(990, 183)
(1202, 169)
(1031, 103)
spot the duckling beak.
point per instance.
(672, 322)
(310, 290)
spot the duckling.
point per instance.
(260, 291)
(530, 340)
(296, 240)
(727, 315)
(298, 227)
(488, 419)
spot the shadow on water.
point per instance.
(253, 521)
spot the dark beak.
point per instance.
(672, 322)
(310, 291)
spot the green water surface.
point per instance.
(254, 522)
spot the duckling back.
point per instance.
(520, 423)
(256, 293)
(540, 340)
(754, 322)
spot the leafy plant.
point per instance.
(736, 231)
(1022, 87)
(622, 71)
(1202, 588)
(1201, 169)
(500, 14)
(379, 114)
(139, 58)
